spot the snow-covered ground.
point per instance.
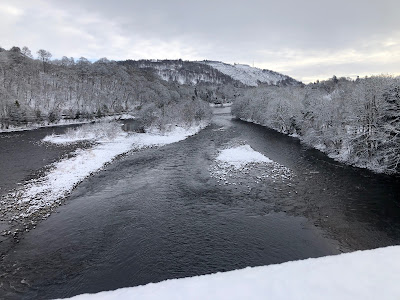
(246, 74)
(65, 122)
(99, 132)
(227, 104)
(363, 275)
(64, 175)
(241, 164)
(241, 155)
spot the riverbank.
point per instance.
(65, 122)
(341, 156)
(23, 208)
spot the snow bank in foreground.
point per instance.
(241, 155)
(371, 274)
(66, 174)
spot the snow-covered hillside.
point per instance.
(183, 72)
(249, 75)
(219, 73)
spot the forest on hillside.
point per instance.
(184, 72)
(44, 91)
(353, 121)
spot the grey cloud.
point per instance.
(316, 24)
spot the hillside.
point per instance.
(44, 90)
(252, 76)
(183, 72)
(211, 72)
(36, 91)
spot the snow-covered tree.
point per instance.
(357, 122)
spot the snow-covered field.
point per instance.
(110, 142)
(363, 275)
(241, 164)
(246, 74)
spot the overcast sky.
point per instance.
(306, 39)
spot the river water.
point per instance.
(157, 214)
(22, 154)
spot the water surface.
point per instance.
(157, 214)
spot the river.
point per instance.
(22, 155)
(157, 214)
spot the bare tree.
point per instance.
(45, 57)
(27, 52)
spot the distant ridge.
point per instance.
(212, 72)
(251, 76)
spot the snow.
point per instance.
(64, 122)
(241, 155)
(126, 117)
(241, 165)
(294, 135)
(370, 274)
(64, 175)
(246, 74)
(100, 132)
(227, 104)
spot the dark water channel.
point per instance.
(157, 214)
(22, 154)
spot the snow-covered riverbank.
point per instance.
(66, 174)
(371, 274)
(64, 122)
(37, 197)
(342, 156)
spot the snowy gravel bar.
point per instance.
(241, 155)
(242, 165)
(67, 173)
(370, 274)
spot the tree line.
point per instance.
(353, 121)
(42, 90)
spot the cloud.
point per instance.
(7, 10)
(372, 57)
(302, 39)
